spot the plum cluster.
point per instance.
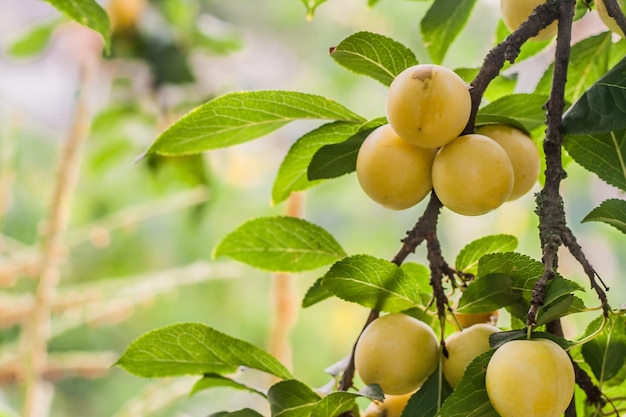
(421, 149)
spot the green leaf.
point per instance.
(374, 55)
(588, 63)
(335, 404)
(332, 161)
(558, 287)
(311, 5)
(601, 108)
(424, 403)
(561, 307)
(291, 398)
(315, 294)
(244, 412)
(442, 23)
(372, 282)
(292, 174)
(468, 257)
(523, 270)
(87, 13)
(612, 212)
(469, 398)
(606, 353)
(194, 349)
(601, 153)
(34, 41)
(525, 109)
(212, 380)
(488, 293)
(281, 243)
(239, 117)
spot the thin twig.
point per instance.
(614, 10)
(37, 330)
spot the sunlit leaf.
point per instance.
(212, 380)
(468, 257)
(488, 293)
(244, 412)
(194, 349)
(525, 109)
(88, 13)
(612, 212)
(281, 243)
(561, 307)
(374, 55)
(336, 403)
(239, 117)
(34, 41)
(442, 23)
(606, 353)
(291, 398)
(315, 294)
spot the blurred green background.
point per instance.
(135, 226)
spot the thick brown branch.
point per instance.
(613, 9)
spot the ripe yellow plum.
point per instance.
(515, 12)
(124, 14)
(428, 105)
(463, 347)
(530, 378)
(472, 175)
(469, 319)
(397, 352)
(393, 172)
(608, 20)
(522, 152)
(391, 407)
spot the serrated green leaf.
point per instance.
(281, 243)
(88, 13)
(601, 108)
(523, 270)
(601, 153)
(589, 61)
(561, 307)
(468, 257)
(34, 41)
(335, 160)
(292, 174)
(374, 55)
(244, 412)
(334, 404)
(612, 212)
(212, 380)
(488, 293)
(424, 403)
(291, 398)
(194, 349)
(442, 23)
(469, 398)
(525, 109)
(372, 282)
(606, 353)
(558, 287)
(239, 117)
(315, 294)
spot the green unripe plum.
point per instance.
(393, 172)
(530, 378)
(391, 407)
(522, 152)
(608, 20)
(428, 105)
(516, 12)
(397, 352)
(463, 347)
(472, 175)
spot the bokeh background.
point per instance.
(141, 234)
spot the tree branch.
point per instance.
(613, 10)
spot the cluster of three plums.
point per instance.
(421, 149)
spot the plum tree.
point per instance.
(463, 347)
(532, 378)
(392, 406)
(522, 152)
(472, 175)
(397, 352)
(393, 172)
(515, 12)
(428, 105)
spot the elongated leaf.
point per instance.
(292, 174)
(588, 63)
(525, 109)
(606, 353)
(442, 24)
(561, 307)
(334, 160)
(194, 349)
(468, 257)
(281, 243)
(243, 116)
(291, 398)
(336, 403)
(469, 398)
(212, 380)
(523, 270)
(315, 294)
(244, 412)
(372, 282)
(424, 403)
(34, 41)
(601, 108)
(601, 153)
(87, 13)
(488, 293)
(612, 212)
(374, 55)
(558, 287)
